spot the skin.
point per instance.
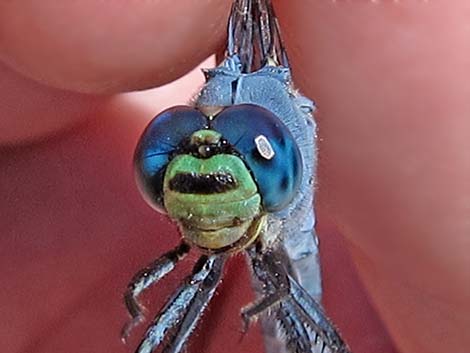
(391, 82)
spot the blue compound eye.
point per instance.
(268, 148)
(159, 140)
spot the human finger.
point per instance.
(109, 46)
(390, 80)
(30, 111)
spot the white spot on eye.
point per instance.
(264, 147)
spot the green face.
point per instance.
(214, 200)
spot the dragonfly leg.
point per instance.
(300, 317)
(144, 279)
(296, 336)
(180, 314)
(195, 310)
(251, 312)
(312, 314)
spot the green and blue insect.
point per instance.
(236, 172)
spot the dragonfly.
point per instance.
(236, 171)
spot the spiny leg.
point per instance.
(295, 304)
(275, 288)
(176, 309)
(144, 279)
(296, 335)
(252, 311)
(270, 265)
(312, 314)
(195, 310)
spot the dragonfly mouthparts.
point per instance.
(193, 183)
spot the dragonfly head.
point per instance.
(218, 176)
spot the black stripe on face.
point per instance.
(205, 184)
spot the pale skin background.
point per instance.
(392, 83)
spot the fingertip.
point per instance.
(391, 82)
(97, 47)
(30, 111)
